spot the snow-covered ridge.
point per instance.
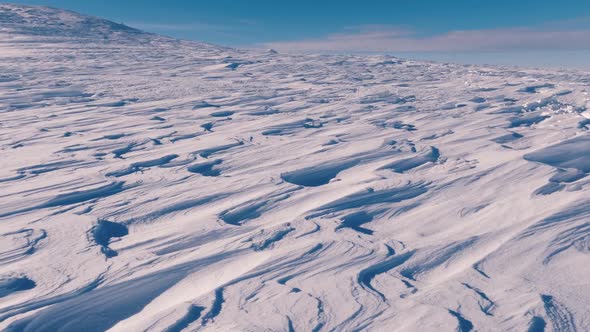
(37, 21)
(178, 186)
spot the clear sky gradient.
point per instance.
(519, 32)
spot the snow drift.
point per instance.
(151, 184)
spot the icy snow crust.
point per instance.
(149, 184)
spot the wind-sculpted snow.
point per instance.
(150, 184)
(573, 154)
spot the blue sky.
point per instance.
(420, 27)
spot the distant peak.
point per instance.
(52, 22)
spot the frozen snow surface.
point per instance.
(150, 184)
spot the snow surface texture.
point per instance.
(149, 184)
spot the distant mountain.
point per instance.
(38, 21)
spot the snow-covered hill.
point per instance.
(149, 184)
(26, 21)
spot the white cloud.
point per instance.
(394, 39)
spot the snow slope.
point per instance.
(51, 23)
(150, 184)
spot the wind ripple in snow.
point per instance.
(267, 191)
